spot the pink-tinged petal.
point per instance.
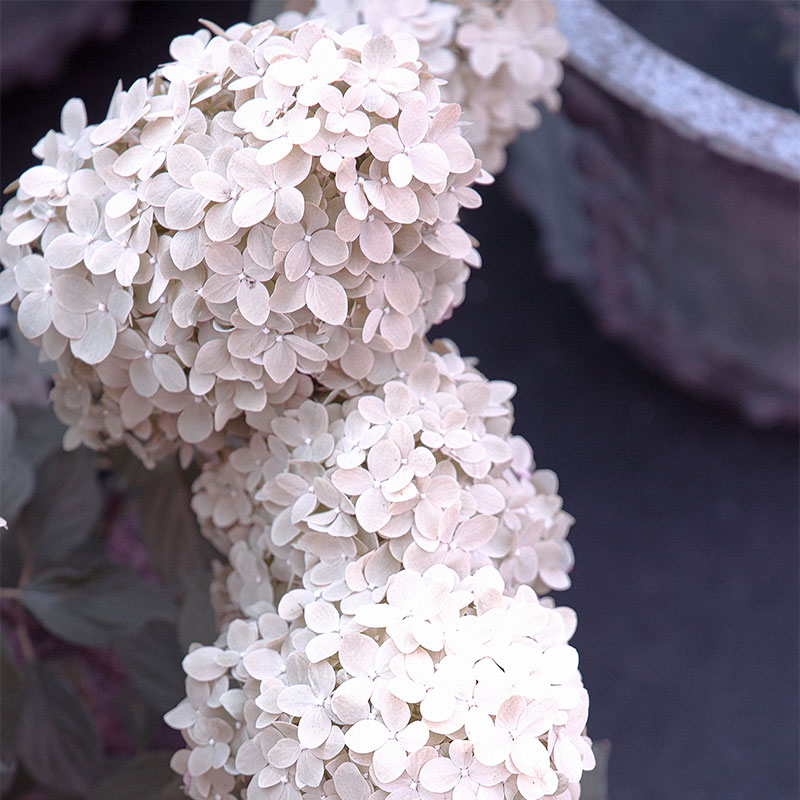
(327, 299)
(327, 248)
(378, 616)
(429, 162)
(397, 329)
(195, 422)
(219, 224)
(26, 232)
(184, 209)
(383, 459)
(127, 266)
(252, 298)
(347, 226)
(372, 510)
(220, 288)
(379, 53)
(211, 185)
(188, 248)
(297, 262)
(8, 286)
(398, 80)
(121, 203)
(224, 259)
(280, 362)
(510, 711)
(314, 728)
(204, 664)
(357, 653)
(530, 756)
(305, 349)
(293, 169)
(377, 242)
(284, 753)
(98, 341)
(289, 205)
(568, 759)
(350, 701)
(400, 204)
(252, 207)
(287, 296)
(33, 315)
(350, 783)
(357, 362)
(68, 323)
(438, 706)
(451, 240)
(353, 482)
(65, 251)
(460, 155)
(439, 775)
(355, 202)
(142, 377)
(290, 72)
(169, 373)
(401, 170)
(40, 180)
(444, 120)
(371, 324)
(476, 532)
(286, 235)
(184, 161)
(384, 142)
(492, 746)
(322, 647)
(389, 761)
(304, 131)
(250, 758)
(413, 123)
(401, 289)
(366, 736)
(274, 151)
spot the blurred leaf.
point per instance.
(594, 784)
(145, 777)
(127, 468)
(16, 473)
(103, 604)
(169, 526)
(152, 660)
(65, 508)
(11, 696)
(8, 775)
(196, 619)
(10, 557)
(39, 432)
(58, 742)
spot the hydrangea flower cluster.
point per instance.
(421, 471)
(402, 530)
(499, 57)
(243, 260)
(270, 206)
(431, 686)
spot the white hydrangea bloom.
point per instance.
(422, 472)
(499, 57)
(256, 222)
(282, 722)
(243, 260)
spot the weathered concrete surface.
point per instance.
(672, 201)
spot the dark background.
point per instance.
(686, 582)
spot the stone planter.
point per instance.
(671, 200)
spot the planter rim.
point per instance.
(689, 101)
